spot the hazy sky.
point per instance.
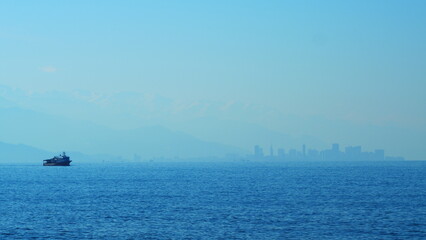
(360, 61)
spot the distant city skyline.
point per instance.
(350, 153)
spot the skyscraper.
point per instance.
(335, 147)
(304, 150)
(281, 153)
(258, 151)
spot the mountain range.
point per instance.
(132, 124)
(55, 133)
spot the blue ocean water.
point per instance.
(384, 200)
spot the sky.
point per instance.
(356, 61)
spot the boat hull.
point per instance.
(57, 164)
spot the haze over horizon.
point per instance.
(234, 73)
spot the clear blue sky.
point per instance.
(353, 60)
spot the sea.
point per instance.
(214, 200)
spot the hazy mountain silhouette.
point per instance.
(229, 123)
(212, 121)
(19, 153)
(58, 133)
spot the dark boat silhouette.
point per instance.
(61, 160)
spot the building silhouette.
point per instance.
(258, 152)
(351, 153)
